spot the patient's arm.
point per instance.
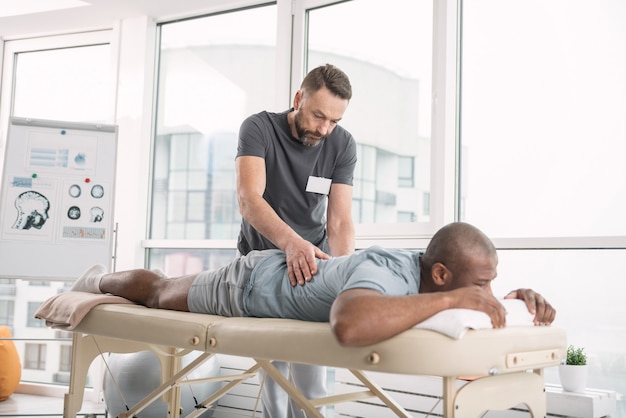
(361, 317)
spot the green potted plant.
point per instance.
(573, 373)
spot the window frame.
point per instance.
(9, 48)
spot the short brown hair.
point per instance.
(330, 77)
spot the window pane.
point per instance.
(214, 71)
(31, 321)
(35, 356)
(594, 320)
(69, 84)
(390, 67)
(542, 117)
(65, 358)
(179, 262)
(45, 352)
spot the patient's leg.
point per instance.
(141, 286)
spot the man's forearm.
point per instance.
(341, 239)
(265, 220)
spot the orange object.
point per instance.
(10, 367)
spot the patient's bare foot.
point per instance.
(90, 280)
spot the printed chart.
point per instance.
(56, 198)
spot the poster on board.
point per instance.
(56, 198)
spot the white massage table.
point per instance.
(510, 359)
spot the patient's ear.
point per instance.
(441, 275)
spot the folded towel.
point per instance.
(66, 310)
(455, 322)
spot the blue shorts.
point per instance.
(220, 291)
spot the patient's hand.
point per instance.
(544, 312)
(479, 299)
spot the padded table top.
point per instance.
(415, 351)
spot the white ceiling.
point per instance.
(101, 13)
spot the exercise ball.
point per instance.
(130, 377)
(10, 368)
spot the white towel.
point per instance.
(455, 322)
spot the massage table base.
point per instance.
(506, 382)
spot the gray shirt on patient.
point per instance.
(268, 293)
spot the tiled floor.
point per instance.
(30, 406)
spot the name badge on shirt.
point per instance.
(319, 185)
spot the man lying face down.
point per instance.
(367, 297)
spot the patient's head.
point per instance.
(458, 255)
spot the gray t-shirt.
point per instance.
(288, 166)
(393, 272)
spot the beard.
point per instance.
(306, 137)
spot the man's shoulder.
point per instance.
(265, 116)
(260, 129)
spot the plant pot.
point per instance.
(573, 377)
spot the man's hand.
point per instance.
(478, 299)
(301, 264)
(544, 312)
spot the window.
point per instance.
(35, 356)
(74, 86)
(406, 217)
(593, 319)
(542, 144)
(38, 283)
(182, 261)
(65, 358)
(31, 321)
(68, 78)
(406, 172)
(7, 307)
(541, 118)
(214, 71)
(390, 69)
(364, 188)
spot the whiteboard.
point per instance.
(56, 198)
